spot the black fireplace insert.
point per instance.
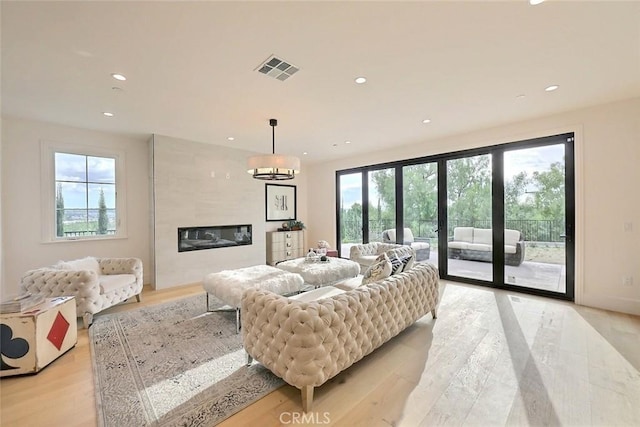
(215, 236)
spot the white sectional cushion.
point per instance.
(483, 236)
(463, 234)
(420, 245)
(479, 247)
(511, 237)
(459, 245)
(509, 249)
(112, 282)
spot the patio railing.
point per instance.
(534, 230)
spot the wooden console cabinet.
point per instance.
(284, 245)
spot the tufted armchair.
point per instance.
(96, 283)
(364, 254)
(422, 245)
(308, 343)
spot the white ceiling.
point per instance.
(191, 68)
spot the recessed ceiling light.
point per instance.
(304, 154)
(535, 2)
(425, 121)
(347, 142)
(107, 114)
(360, 80)
(118, 77)
(230, 138)
(521, 96)
(551, 88)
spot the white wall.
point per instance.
(198, 184)
(2, 278)
(607, 150)
(22, 240)
(608, 177)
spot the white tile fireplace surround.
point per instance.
(187, 194)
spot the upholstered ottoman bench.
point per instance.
(228, 285)
(318, 274)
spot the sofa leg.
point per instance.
(434, 314)
(238, 320)
(307, 398)
(249, 359)
(87, 320)
(139, 298)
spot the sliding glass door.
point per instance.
(535, 213)
(499, 216)
(349, 211)
(469, 212)
(420, 210)
(382, 203)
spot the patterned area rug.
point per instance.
(172, 365)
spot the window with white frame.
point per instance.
(84, 193)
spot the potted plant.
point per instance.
(296, 225)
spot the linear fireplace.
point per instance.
(215, 236)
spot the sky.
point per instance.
(75, 168)
(515, 161)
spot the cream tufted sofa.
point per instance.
(96, 283)
(307, 343)
(364, 254)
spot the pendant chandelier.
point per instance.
(273, 167)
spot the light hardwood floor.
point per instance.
(491, 358)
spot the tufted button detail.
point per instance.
(307, 343)
(84, 285)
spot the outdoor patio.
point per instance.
(530, 274)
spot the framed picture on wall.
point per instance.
(280, 202)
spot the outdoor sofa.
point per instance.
(475, 244)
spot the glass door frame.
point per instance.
(498, 218)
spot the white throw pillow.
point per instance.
(89, 263)
(380, 269)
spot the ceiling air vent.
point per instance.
(277, 68)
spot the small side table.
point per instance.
(34, 338)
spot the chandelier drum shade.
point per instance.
(273, 167)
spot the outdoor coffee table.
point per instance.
(319, 274)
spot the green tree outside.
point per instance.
(539, 197)
(103, 219)
(59, 211)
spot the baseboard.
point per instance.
(622, 305)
